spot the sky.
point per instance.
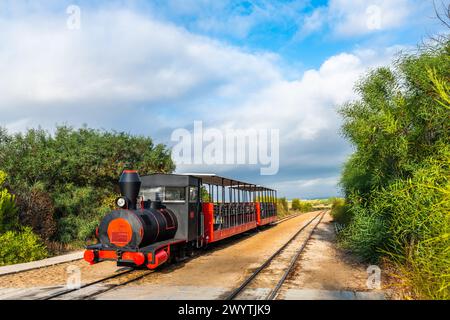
(151, 67)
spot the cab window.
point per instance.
(153, 194)
(174, 194)
(193, 194)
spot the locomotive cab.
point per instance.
(179, 194)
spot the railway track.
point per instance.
(275, 270)
(95, 288)
(92, 289)
(289, 217)
(105, 288)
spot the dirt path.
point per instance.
(326, 271)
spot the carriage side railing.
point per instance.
(228, 215)
(268, 209)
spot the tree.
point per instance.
(283, 203)
(296, 204)
(204, 194)
(397, 123)
(82, 157)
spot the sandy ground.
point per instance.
(57, 275)
(275, 270)
(324, 266)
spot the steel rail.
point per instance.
(68, 291)
(59, 294)
(289, 217)
(90, 296)
(114, 286)
(293, 262)
(245, 283)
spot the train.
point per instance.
(160, 218)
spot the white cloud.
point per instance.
(117, 57)
(303, 107)
(312, 22)
(310, 188)
(361, 16)
(358, 17)
(18, 126)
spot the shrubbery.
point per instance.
(302, 206)
(79, 210)
(17, 244)
(397, 182)
(340, 211)
(8, 210)
(21, 246)
(282, 207)
(295, 205)
(364, 233)
(36, 210)
(418, 211)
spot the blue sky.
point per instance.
(150, 67)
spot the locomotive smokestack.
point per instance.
(129, 184)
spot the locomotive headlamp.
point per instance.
(121, 202)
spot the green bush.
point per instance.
(302, 206)
(365, 235)
(8, 211)
(205, 196)
(282, 207)
(83, 157)
(409, 223)
(418, 211)
(80, 210)
(340, 212)
(77, 229)
(21, 246)
(36, 209)
(306, 206)
(74, 200)
(295, 204)
(397, 182)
